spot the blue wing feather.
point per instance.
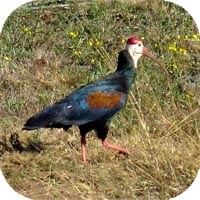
(74, 109)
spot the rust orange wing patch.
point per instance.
(104, 100)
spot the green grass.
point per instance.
(47, 53)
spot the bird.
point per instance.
(93, 106)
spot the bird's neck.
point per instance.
(127, 69)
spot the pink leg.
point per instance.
(116, 148)
(83, 149)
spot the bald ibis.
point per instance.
(92, 106)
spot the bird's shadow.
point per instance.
(15, 145)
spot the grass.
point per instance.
(46, 53)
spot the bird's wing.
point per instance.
(88, 106)
(96, 106)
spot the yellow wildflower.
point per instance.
(98, 43)
(188, 97)
(72, 34)
(172, 48)
(77, 53)
(7, 58)
(142, 38)
(123, 41)
(186, 37)
(92, 60)
(178, 37)
(183, 51)
(195, 36)
(90, 43)
(175, 67)
(27, 30)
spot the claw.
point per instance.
(116, 148)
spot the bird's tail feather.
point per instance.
(49, 117)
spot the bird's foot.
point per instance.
(84, 162)
(125, 152)
(116, 148)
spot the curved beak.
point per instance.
(148, 54)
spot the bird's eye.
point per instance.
(139, 45)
